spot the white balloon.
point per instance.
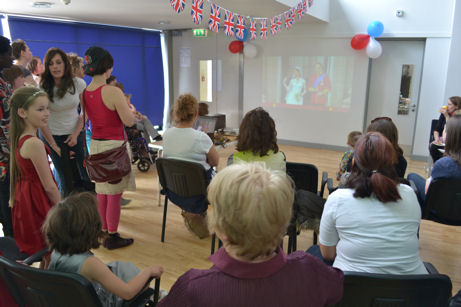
(374, 48)
(250, 51)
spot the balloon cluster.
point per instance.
(361, 41)
(249, 50)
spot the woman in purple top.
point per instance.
(251, 211)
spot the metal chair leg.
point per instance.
(164, 218)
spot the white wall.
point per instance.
(423, 18)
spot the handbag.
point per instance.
(107, 166)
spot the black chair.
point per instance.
(385, 290)
(305, 177)
(185, 179)
(42, 288)
(443, 202)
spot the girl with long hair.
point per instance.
(33, 190)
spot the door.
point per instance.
(394, 83)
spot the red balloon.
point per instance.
(236, 46)
(360, 41)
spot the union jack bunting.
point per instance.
(273, 26)
(305, 5)
(215, 18)
(229, 23)
(293, 15)
(196, 11)
(311, 2)
(252, 29)
(263, 30)
(178, 5)
(240, 27)
(279, 23)
(300, 10)
(288, 20)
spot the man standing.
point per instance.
(5, 93)
(23, 56)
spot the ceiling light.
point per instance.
(42, 4)
(164, 22)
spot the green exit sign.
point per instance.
(200, 32)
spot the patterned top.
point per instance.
(5, 94)
(343, 164)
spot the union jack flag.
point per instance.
(240, 27)
(300, 10)
(263, 30)
(178, 5)
(229, 23)
(273, 26)
(196, 11)
(304, 3)
(288, 20)
(215, 18)
(311, 2)
(252, 29)
(293, 15)
(279, 23)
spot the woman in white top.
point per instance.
(185, 143)
(65, 125)
(372, 225)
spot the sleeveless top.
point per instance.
(105, 123)
(66, 263)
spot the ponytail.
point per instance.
(384, 188)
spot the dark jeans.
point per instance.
(420, 184)
(65, 166)
(5, 210)
(435, 152)
(314, 250)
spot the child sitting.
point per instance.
(72, 228)
(352, 139)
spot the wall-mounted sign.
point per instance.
(200, 32)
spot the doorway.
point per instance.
(395, 78)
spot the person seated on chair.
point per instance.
(251, 211)
(454, 103)
(448, 167)
(372, 224)
(185, 143)
(202, 109)
(257, 141)
(72, 228)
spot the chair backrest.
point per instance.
(443, 202)
(35, 287)
(304, 175)
(434, 123)
(184, 178)
(384, 290)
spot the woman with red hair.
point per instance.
(372, 224)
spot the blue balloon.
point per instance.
(245, 35)
(375, 28)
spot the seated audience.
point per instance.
(185, 143)
(257, 141)
(36, 68)
(454, 103)
(352, 139)
(72, 228)
(446, 167)
(23, 56)
(14, 76)
(251, 211)
(372, 224)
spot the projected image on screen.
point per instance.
(308, 82)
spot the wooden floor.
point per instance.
(142, 219)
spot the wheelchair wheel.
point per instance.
(143, 165)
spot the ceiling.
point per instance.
(142, 13)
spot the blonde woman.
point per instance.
(251, 211)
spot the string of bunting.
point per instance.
(235, 24)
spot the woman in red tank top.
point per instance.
(107, 110)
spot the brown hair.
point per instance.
(10, 74)
(257, 133)
(456, 101)
(372, 169)
(353, 137)
(17, 46)
(386, 127)
(74, 60)
(73, 226)
(185, 108)
(120, 86)
(453, 139)
(202, 109)
(32, 66)
(47, 80)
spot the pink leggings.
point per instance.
(109, 209)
